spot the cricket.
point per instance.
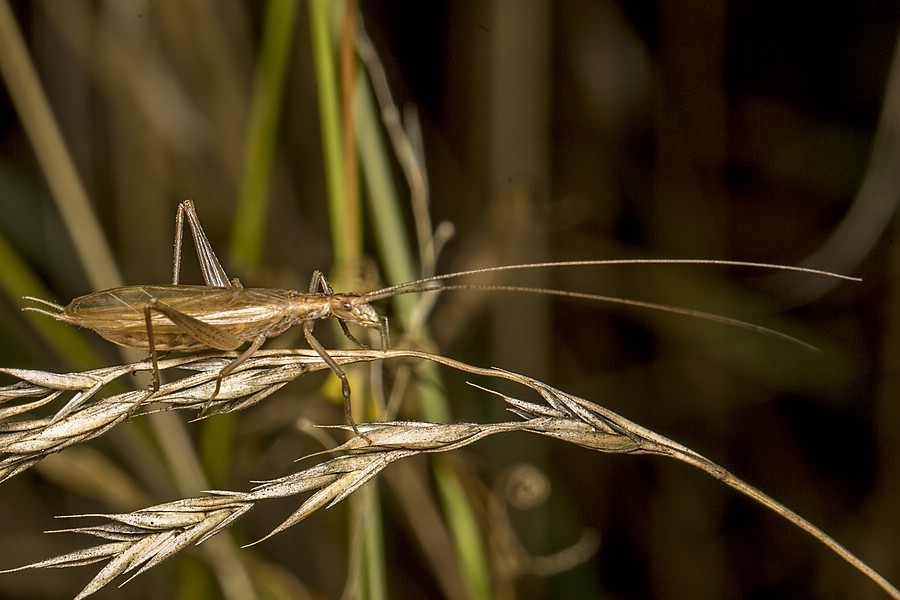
(224, 315)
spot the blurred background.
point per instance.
(578, 129)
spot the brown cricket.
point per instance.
(224, 315)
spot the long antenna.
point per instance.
(697, 314)
(416, 284)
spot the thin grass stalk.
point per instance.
(382, 195)
(248, 233)
(352, 222)
(277, 44)
(374, 572)
(28, 96)
(148, 536)
(71, 199)
(397, 259)
(387, 218)
(321, 17)
(17, 280)
(90, 243)
(366, 577)
(875, 205)
(58, 166)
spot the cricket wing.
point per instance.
(185, 316)
(213, 336)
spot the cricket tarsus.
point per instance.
(224, 315)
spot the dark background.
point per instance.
(552, 131)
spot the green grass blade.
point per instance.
(18, 280)
(398, 262)
(262, 133)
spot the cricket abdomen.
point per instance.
(118, 314)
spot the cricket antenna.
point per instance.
(419, 285)
(668, 308)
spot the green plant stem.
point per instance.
(373, 554)
(384, 200)
(262, 132)
(17, 280)
(346, 231)
(248, 232)
(321, 15)
(396, 255)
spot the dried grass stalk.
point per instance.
(137, 541)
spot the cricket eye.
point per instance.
(345, 305)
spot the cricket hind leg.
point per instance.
(213, 273)
(206, 334)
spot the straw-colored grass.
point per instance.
(551, 132)
(144, 538)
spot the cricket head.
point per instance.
(353, 308)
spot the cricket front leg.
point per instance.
(336, 368)
(320, 282)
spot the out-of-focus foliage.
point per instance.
(551, 130)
